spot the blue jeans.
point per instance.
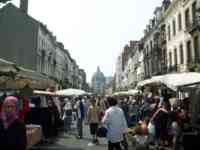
(67, 123)
(80, 127)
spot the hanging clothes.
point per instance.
(25, 109)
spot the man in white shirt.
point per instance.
(115, 122)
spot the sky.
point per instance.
(94, 31)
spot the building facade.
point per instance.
(98, 82)
(183, 38)
(155, 51)
(118, 73)
(29, 44)
(171, 43)
(129, 66)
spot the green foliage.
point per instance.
(197, 68)
(192, 67)
(4, 1)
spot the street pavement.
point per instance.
(71, 142)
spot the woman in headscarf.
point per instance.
(12, 129)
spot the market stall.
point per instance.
(16, 77)
(33, 110)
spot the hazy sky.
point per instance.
(94, 31)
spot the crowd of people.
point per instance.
(158, 120)
(155, 120)
(98, 113)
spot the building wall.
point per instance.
(118, 78)
(60, 64)
(166, 43)
(18, 37)
(28, 43)
(133, 71)
(182, 36)
(140, 68)
(46, 51)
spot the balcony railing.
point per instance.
(163, 69)
(173, 68)
(194, 26)
(163, 38)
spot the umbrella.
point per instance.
(121, 93)
(126, 93)
(133, 92)
(70, 92)
(45, 93)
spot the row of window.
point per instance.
(190, 59)
(44, 44)
(179, 18)
(45, 66)
(191, 46)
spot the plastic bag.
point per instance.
(151, 129)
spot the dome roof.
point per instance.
(98, 74)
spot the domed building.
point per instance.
(98, 82)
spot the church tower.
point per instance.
(98, 82)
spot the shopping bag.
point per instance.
(151, 129)
(102, 132)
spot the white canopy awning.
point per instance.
(152, 80)
(174, 80)
(7, 66)
(126, 93)
(70, 92)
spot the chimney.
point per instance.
(24, 6)
(166, 4)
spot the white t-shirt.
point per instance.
(116, 124)
(68, 105)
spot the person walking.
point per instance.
(160, 118)
(93, 120)
(12, 129)
(116, 124)
(80, 117)
(67, 115)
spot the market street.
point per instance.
(100, 75)
(70, 142)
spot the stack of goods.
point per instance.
(137, 136)
(34, 135)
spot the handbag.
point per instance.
(151, 129)
(102, 132)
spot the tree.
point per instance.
(4, 1)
